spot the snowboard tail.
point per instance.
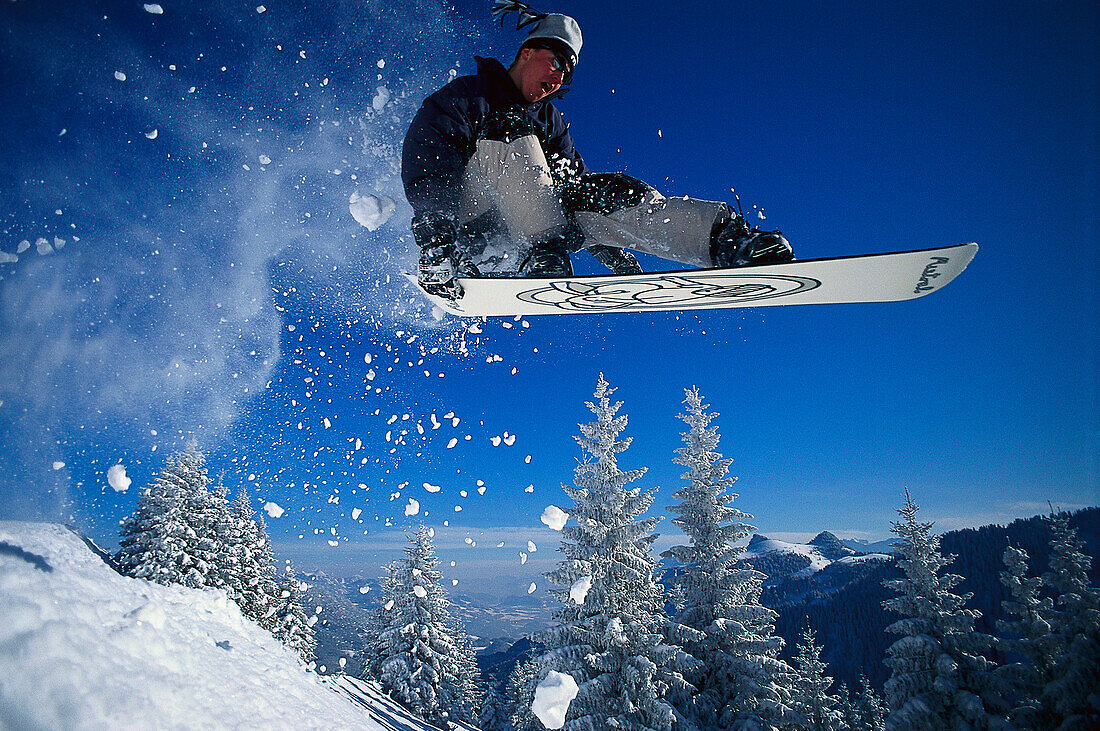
(888, 277)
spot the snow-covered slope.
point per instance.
(83, 647)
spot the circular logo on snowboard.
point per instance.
(667, 291)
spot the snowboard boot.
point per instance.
(546, 261)
(734, 244)
(549, 253)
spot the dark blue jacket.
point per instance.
(443, 135)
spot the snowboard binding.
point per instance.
(734, 243)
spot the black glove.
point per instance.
(619, 261)
(440, 263)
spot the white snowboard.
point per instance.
(891, 277)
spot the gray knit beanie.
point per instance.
(552, 30)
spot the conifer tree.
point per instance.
(846, 707)
(254, 583)
(869, 709)
(166, 539)
(217, 529)
(521, 694)
(1028, 637)
(495, 712)
(378, 649)
(737, 674)
(266, 585)
(289, 622)
(819, 709)
(1072, 695)
(469, 674)
(422, 663)
(939, 679)
(610, 643)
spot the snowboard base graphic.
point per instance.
(888, 277)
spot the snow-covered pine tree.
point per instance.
(610, 641)
(265, 587)
(719, 620)
(289, 622)
(1027, 639)
(217, 528)
(495, 712)
(868, 708)
(521, 694)
(939, 679)
(1073, 692)
(420, 661)
(254, 582)
(165, 539)
(379, 647)
(845, 707)
(469, 674)
(820, 710)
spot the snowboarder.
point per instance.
(498, 189)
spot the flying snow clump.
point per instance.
(117, 479)
(381, 98)
(552, 698)
(554, 517)
(412, 508)
(153, 9)
(371, 211)
(579, 591)
(273, 510)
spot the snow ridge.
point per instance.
(83, 647)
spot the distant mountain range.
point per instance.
(840, 594)
(861, 546)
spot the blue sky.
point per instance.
(202, 292)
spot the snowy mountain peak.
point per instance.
(830, 546)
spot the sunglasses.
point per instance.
(558, 62)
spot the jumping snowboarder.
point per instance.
(498, 188)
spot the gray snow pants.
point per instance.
(508, 187)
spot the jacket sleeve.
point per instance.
(436, 149)
(561, 142)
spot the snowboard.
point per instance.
(890, 277)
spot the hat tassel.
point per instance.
(524, 14)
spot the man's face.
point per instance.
(534, 73)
